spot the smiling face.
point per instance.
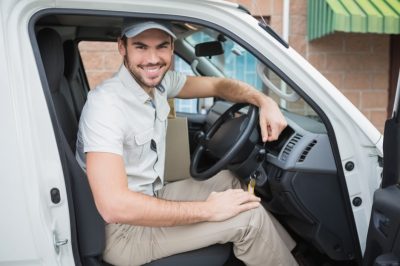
(147, 56)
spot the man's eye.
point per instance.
(140, 47)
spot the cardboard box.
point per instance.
(177, 154)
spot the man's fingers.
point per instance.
(270, 131)
(248, 206)
(264, 129)
(272, 121)
(275, 129)
(273, 133)
(246, 197)
(226, 204)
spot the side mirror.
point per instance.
(209, 49)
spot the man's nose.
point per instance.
(152, 56)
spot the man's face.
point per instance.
(147, 56)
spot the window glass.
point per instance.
(238, 63)
(185, 105)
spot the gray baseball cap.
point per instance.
(133, 28)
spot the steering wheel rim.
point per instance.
(252, 118)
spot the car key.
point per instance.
(251, 185)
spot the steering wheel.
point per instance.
(224, 139)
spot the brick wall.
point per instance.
(357, 64)
(101, 60)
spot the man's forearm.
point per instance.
(139, 209)
(238, 91)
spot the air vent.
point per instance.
(289, 147)
(306, 151)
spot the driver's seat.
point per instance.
(87, 226)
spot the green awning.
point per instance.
(374, 16)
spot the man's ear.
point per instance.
(121, 46)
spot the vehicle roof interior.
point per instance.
(95, 27)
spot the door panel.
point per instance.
(383, 241)
(383, 234)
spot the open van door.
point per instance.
(383, 241)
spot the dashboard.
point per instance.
(302, 145)
(298, 182)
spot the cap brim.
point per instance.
(135, 30)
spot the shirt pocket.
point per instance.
(138, 144)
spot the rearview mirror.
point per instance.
(209, 49)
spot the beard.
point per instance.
(140, 79)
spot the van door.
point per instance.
(383, 241)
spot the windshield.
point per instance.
(238, 63)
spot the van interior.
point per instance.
(299, 176)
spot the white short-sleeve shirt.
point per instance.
(119, 117)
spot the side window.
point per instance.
(238, 63)
(185, 105)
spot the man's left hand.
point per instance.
(272, 121)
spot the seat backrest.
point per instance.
(75, 76)
(90, 227)
(51, 50)
(89, 224)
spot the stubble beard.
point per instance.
(139, 79)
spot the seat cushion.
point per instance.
(215, 255)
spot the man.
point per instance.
(121, 144)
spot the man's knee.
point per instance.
(225, 180)
(254, 219)
(260, 217)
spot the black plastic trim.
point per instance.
(271, 32)
(244, 9)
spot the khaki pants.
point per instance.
(258, 239)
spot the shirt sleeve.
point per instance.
(173, 82)
(101, 124)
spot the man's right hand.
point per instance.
(229, 203)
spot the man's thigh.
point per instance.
(193, 190)
(135, 245)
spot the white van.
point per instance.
(318, 178)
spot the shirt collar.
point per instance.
(130, 83)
